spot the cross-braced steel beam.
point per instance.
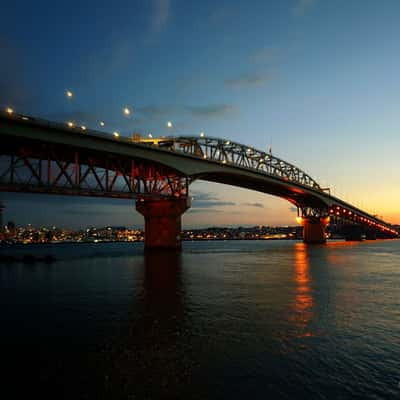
(67, 170)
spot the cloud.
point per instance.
(203, 196)
(161, 15)
(210, 203)
(249, 80)
(302, 7)
(259, 205)
(212, 110)
(208, 200)
(155, 112)
(203, 210)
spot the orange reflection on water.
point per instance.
(304, 301)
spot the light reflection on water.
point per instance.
(304, 303)
(221, 320)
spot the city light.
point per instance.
(69, 94)
(169, 124)
(127, 111)
(9, 110)
(201, 134)
(116, 134)
(150, 135)
(71, 124)
(102, 123)
(83, 127)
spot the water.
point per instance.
(222, 320)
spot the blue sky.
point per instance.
(319, 79)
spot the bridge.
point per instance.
(40, 156)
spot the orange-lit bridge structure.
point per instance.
(39, 156)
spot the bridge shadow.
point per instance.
(153, 359)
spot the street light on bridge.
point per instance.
(69, 94)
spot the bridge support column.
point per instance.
(370, 235)
(353, 233)
(162, 222)
(314, 229)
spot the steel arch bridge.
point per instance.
(46, 157)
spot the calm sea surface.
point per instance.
(237, 319)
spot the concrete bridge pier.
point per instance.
(162, 222)
(353, 233)
(314, 229)
(370, 234)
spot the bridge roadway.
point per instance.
(41, 156)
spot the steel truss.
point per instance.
(312, 212)
(228, 152)
(56, 169)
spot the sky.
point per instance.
(316, 79)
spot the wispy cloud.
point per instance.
(212, 110)
(301, 7)
(154, 112)
(203, 200)
(161, 15)
(249, 80)
(204, 210)
(258, 205)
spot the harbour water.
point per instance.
(235, 319)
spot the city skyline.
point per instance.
(314, 81)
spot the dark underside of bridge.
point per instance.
(290, 191)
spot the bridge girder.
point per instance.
(45, 168)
